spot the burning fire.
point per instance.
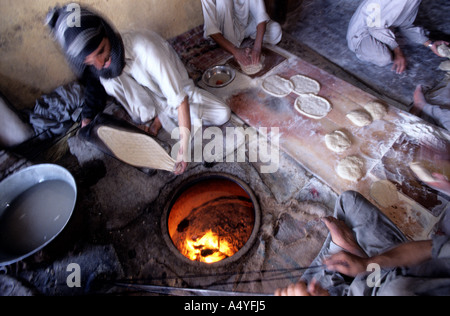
(209, 249)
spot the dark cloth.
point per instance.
(55, 113)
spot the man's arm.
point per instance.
(406, 255)
(434, 46)
(184, 118)
(257, 48)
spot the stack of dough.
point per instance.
(444, 51)
(308, 102)
(372, 111)
(352, 168)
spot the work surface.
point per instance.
(387, 146)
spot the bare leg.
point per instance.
(419, 101)
(343, 236)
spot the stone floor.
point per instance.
(115, 230)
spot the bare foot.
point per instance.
(155, 127)
(419, 101)
(343, 236)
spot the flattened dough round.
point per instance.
(384, 193)
(351, 168)
(377, 110)
(277, 86)
(312, 106)
(444, 50)
(360, 118)
(305, 85)
(338, 142)
(253, 69)
(421, 172)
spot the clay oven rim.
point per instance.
(182, 188)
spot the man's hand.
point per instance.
(435, 46)
(400, 62)
(85, 122)
(301, 289)
(243, 56)
(181, 165)
(346, 264)
(256, 56)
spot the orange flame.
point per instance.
(209, 249)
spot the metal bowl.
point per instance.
(219, 76)
(36, 204)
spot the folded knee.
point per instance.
(224, 117)
(274, 32)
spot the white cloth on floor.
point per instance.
(155, 83)
(238, 19)
(371, 31)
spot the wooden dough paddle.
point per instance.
(127, 143)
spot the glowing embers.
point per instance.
(211, 220)
(209, 249)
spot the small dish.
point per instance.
(219, 76)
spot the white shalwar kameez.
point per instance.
(239, 19)
(155, 83)
(370, 34)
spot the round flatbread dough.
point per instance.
(136, 149)
(422, 173)
(305, 85)
(351, 168)
(445, 66)
(313, 106)
(338, 142)
(252, 69)
(424, 170)
(360, 118)
(277, 86)
(444, 50)
(377, 110)
(384, 193)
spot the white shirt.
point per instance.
(153, 63)
(243, 13)
(155, 82)
(378, 18)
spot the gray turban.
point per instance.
(79, 36)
